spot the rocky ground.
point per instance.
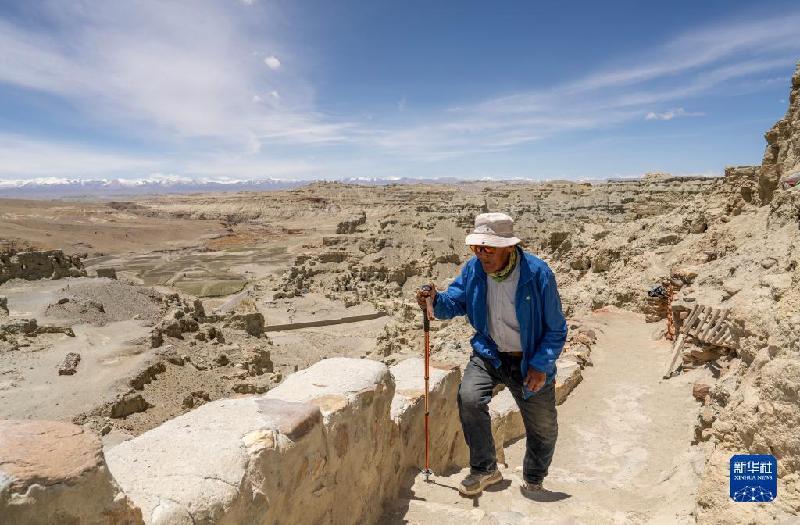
(154, 307)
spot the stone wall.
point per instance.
(39, 265)
(54, 472)
(332, 444)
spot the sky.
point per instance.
(314, 89)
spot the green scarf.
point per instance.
(501, 275)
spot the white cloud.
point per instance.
(671, 114)
(715, 59)
(27, 158)
(24, 157)
(153, 69)
(272, 62)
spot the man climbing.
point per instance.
(512, 302)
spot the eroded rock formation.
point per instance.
(782, 155)
(39, 265)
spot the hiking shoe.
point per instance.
(474, 484)
(530, 489)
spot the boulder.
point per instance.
(354, 397)
(252, 323)
(589, 335)
(700, 391)
(70, 364)
(768, 262)
(777, 283)
(603, 260)
(195, 399)
(698, 226)
(55, 329)
(126, 405)
(685, 275)
(53, 472)
(556, 239)
(19, 326)
(669, 239)
(199, 309)
(582, 353)
(110, 273)
(252, 385)
(581, 263)
(156, 338)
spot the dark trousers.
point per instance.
(538, 415)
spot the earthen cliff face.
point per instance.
(782, 155)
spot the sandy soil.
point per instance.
(96, 228)
(108, 357)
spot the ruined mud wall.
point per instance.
(331, 444)
(39, 265)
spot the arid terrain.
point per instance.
(174, 302)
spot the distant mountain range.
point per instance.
(52, 188)
(56, 188)
(101, 188)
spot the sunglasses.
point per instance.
(488, 250)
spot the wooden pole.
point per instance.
(681, 338)
(427, 315)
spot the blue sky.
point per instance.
(233, 89)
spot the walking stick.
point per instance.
(427, 315)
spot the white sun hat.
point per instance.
(493, 229)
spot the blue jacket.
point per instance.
(542, 326)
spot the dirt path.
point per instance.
(623, 454)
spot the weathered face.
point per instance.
(492, 259)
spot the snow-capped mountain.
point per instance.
(155, 185)
(51, 188)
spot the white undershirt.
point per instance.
(503, 323)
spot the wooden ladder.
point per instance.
(706, 324)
